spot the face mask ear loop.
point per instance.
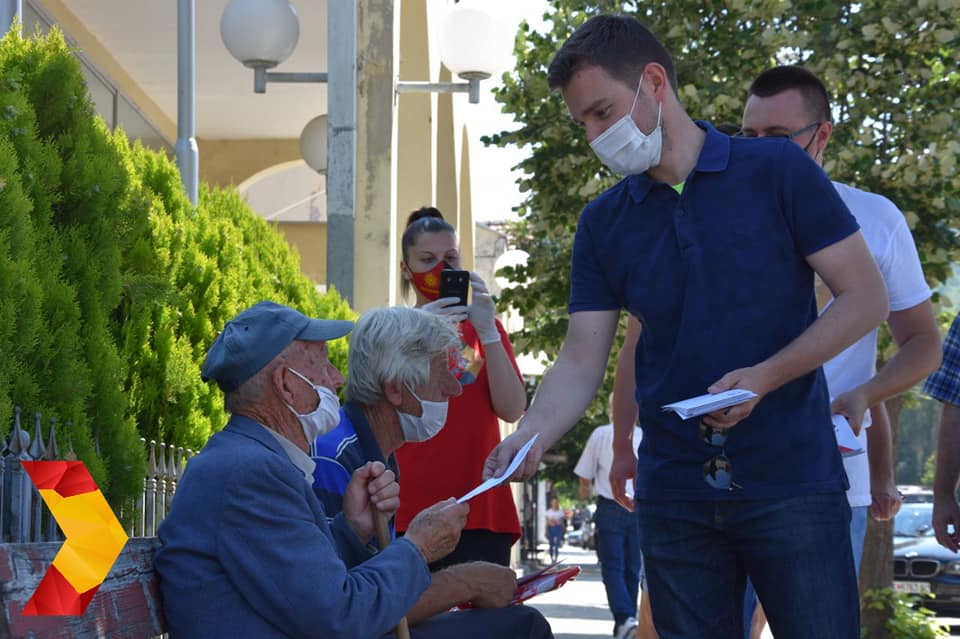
(636, 96)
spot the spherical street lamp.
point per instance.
(313, 144)
(473, 43)
(260, 33)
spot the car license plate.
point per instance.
(916, 587)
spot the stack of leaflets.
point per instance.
(703, 404)
(550, 578)
(848, 443)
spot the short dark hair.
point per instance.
(619, 45)
(779, 79)
(728, 129)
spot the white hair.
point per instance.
(394, 344)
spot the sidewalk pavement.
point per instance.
(578, 609)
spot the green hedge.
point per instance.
(114, 285)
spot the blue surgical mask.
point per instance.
(627, 150)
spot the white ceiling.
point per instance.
(142, 36)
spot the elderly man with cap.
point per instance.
(247, 549)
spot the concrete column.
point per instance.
(415, 160)
(466, 205)
(10, 9)
(446, 153)
(375, 233)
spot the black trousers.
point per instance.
(513, 622)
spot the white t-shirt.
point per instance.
(888, 237)
(554, 517)
(597, 458)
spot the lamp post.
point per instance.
(186, 150)
(261, 34)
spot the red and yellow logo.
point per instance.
(94, 538)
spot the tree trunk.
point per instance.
(876, 568)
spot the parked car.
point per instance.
(583, 535)
(920, 564)
(916, 494)
(588, 532)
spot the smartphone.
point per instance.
(454, 283)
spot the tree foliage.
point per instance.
(894, 84)
(114, 285)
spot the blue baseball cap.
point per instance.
(253, 338)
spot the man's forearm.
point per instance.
(586, 488)
(447, 589)
(849, 318)
(914, 361)
(562, 398)
(880, 446)
(625, 409)
(918, 353)
(948, 451)
(571, 384)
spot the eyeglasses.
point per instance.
(718, 470)
(789, 136)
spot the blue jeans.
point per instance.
(618, 549)
(698, 555)
(858, 531)
(555, 539)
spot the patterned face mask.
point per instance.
(428, 282)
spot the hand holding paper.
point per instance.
(496, 481)
(703, 404)
(848, 443)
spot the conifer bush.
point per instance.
(114, 285)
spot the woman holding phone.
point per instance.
(450, 464)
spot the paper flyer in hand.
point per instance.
(496, 481)
(703, 404)
(848, 443)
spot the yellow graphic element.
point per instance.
(94, 537)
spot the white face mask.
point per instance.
(627, 150)
(324, 418)
(423, 427)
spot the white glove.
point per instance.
(482, 312)
(447, 308)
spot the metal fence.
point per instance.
(23, 516)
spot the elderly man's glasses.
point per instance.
(718, 470)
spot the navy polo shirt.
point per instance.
(340, 452)
(718, 277)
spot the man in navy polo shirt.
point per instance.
(721, 276)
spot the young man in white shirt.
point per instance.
(791, 102)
